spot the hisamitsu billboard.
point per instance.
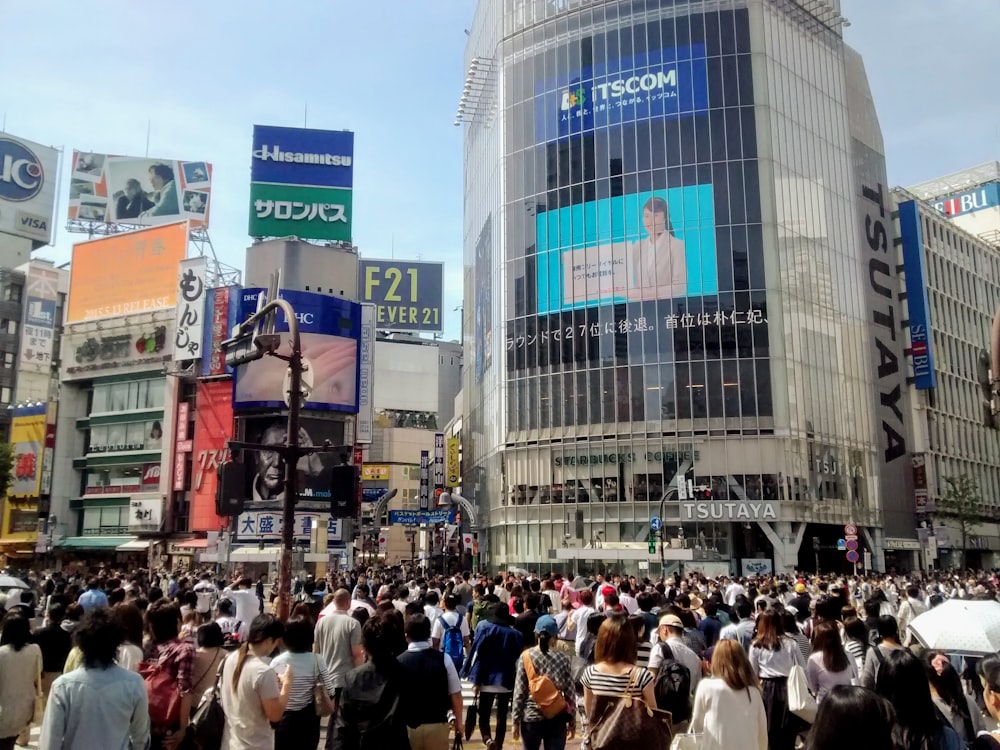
(407, 294)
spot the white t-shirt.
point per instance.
(247, 603)
(449, 619)
(247, 728)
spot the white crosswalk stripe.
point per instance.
(33, 742)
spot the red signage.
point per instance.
(220, 316)
(183, 445)
(213, 426)
(150, 477)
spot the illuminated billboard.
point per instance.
(28, 176)
(138, 190)
(330, 331)
(126, 273)
(27, 434)
(407, 294)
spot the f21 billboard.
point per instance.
(407, 294)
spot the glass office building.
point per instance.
(666, 279)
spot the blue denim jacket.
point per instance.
(494, 655)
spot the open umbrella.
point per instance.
(959, 626)
(9, 582)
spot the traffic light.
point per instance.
(344, 491)
(231, 493)
(652, 542)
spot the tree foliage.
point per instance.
(6, 467)
(963, 503)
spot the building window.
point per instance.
(5, 395)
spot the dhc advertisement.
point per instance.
(646, 246)
(914, 264)
(656, 84)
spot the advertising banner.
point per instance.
(38, 334)
(425, 479)
(330, 330)
(27, 435)
(919, 312)
(922, 501)
(124, 346)
(192, 274)
(415, 517)
(213, 427)
(484, 300)
(375, 472)
(28, 176)
(984, 196)
(266, 470)
(145, 514)
(301, 182)
(126, 273)
(439, 460)
(452, 463)
(365, 423)
(407, 294)
(662, 83)
(266, 526)
(223, 311)
(135, 190)
(182, 446)
(48, 457)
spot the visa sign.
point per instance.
(21, 173)
(984, 196)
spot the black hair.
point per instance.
(988, 669)
(948, 686)
(225, 607)
(56, 612)
(163, 619)
(98, 637)
(263, 627)
(362, 615)
(166, 174)
(16, 631)
(743, 608)
(380, 636)
(848, 712)
(888, 627)
(418, 628)
(210, 635)
(645, 601)
(902, 680)
(299, 635)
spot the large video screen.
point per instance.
(654, 245)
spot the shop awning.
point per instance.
(93, 542)
(194, 543)
(136, 545)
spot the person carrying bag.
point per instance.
(628, 722)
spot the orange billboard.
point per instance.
(126, 273)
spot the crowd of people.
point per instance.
(140, 660)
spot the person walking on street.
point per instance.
(530, 723)
(492, 669)
(728, 706)
(772, 656)
(299, 725)
(432, 689)
(338, 638)
(20, 677)
(55, 643)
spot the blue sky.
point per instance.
(202, 75)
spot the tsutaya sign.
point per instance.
(729, 511)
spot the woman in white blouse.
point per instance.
(772, 656)
(728, 706)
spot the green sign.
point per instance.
(314, 213)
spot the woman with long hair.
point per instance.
(129, 619)
(772, 656)
(828, 665)
(299, 726)
(253, 695)
(208, 656)
(729, 706)
(951, 700)
(988, 670)
(852, 717)
(528, 719)
(902, 680)
(856, 641)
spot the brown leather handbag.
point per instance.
(626, 722)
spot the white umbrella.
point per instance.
(960, 626)
(9, 582)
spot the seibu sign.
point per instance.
(729, 511)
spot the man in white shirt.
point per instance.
(450, 618)
(733, 590)
(431, 609)
(580, 616)
(207, 594)
(245, 599)
(671, 631)
(626, 599)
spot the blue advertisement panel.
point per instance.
(653, 245)
(330, 330)
(416, 517)
(407, 294)
(660, 83)
(984, 196)
(915, 267)
(301, 156)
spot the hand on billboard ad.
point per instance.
(335, 363)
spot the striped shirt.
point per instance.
(307, 670)
(602, 683)
(644, 650)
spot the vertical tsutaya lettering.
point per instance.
(877, 237)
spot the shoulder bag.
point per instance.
(209, 718)
(800, 700)
(628, 723)
(321, 698)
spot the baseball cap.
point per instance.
(672, 620)
(547, 624)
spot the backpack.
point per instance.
(164, 695)
(452, 642)
(673, 687)
(544, 692)
(480, 609)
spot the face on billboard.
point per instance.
(126, 273)
(139, 191)
(27, 188)
(329, 331)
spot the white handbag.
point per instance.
(800, 700)
(688, 741)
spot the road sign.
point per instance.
(852, 544)
(841, 545)
(852, 556)
(655, 523)
(850, 530)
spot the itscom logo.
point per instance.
(573, 98)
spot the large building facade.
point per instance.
(676, 250)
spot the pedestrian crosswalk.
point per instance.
(33, 740)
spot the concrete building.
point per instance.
(678, 291)
(970, 198)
